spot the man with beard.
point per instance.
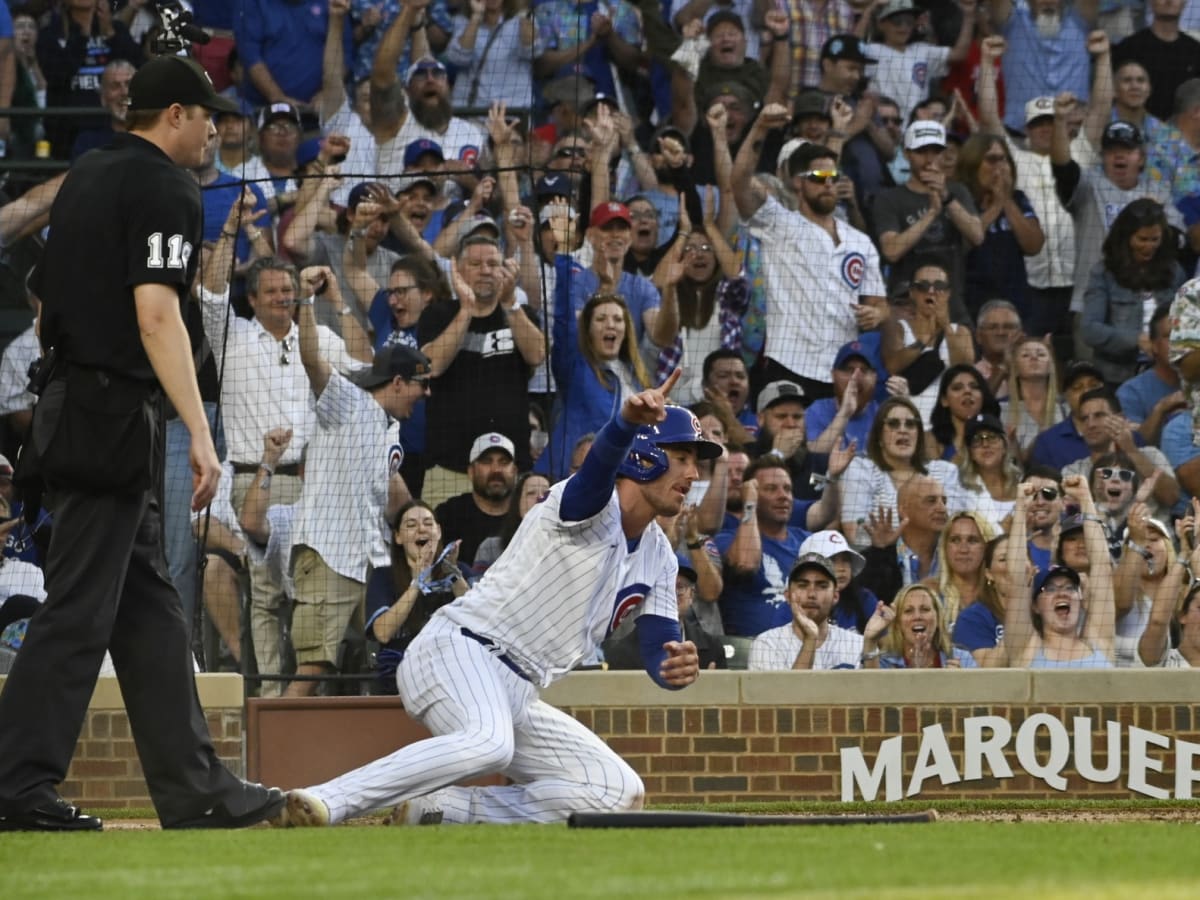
(849, 413)
(1048, 51)
(427, 85)
(476, 516)
(391, 124)
(810, 640)
(822, 276)
(927, 217)
(1169, 56)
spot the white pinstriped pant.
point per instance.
(485, 719)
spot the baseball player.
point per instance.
(583, 559)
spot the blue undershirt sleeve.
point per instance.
(653, 632)
(591, 487)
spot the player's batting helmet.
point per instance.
(647, 461)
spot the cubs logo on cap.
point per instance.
(1038, 107)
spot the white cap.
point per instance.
(491, 441)
(1038, 107)
(924, 133)
(830, 544)
(894, 7)
(786, 151)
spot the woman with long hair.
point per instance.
(962, 395)
(988, 474)
(712, 296)
(596, 363)
(961, 572)
(1150, 548)
(996, 268)
(911, 633)
(1137, 273)
(402, 597)
(980, 626)
(1171, 638)
(530, 488)
(895, 453)
(1033, 401)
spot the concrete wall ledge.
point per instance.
(982, 687)
(217, 691)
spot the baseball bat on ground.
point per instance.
(680, 819)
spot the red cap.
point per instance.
(610, 212)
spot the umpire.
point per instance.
(123, 248)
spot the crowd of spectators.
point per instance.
(928, 267)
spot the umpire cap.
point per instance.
(175, 79)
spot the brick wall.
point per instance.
(105, 771)
(730, 737)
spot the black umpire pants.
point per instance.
(108, 588)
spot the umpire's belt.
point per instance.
(495, 651)
(249, 468)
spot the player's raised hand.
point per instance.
(682, 665)
(649, 407)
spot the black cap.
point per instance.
(553, 185)
(1078, 369)
(982, 422)
(845, 46)
(724, 15)
(1122, 134)
(396, 360)
(175, 79)
(811, 103)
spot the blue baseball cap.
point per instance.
(849, 351)
(1039, 583)
(557, 185)
(417, 149)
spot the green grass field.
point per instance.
(1156, 859)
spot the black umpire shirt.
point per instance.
(125, 215)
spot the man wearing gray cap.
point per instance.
(810, 640)
(117, 268)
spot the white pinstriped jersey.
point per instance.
(561, 587)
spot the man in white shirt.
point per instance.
(263, 387)
(810, 640)
(822, 276)
(352, 483)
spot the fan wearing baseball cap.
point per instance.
(1094, 197)
(904, 68)
(848, 414)
(1048, 43)
(1047, 630)
(810, 640)
(610, 233)
(118, 266)
(928, 217)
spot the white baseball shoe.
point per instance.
(302, 810)
(417, 811)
